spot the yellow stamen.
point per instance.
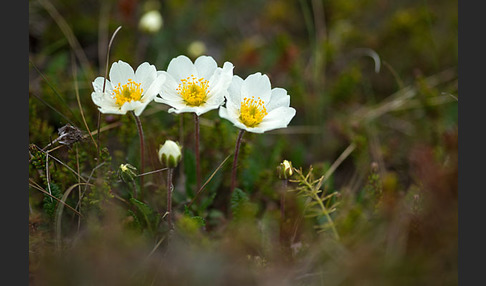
(130, 91)
(193, 91)
(252, 111)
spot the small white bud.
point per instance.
(151, 21)
(196, 48)
(170, 154)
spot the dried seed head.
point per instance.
(69, 135)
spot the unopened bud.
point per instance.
(151, 21)
(126, 173)
(284, 170)
(170, 154)
(196, 49)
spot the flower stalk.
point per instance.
(282, 210)
(142, 148)
(170, 156)
(284, 172)
(233, 170)
(170, 171)
(198, 168)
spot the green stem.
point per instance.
(316, 197)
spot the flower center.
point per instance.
(130, 91)
(252, 111)
(193, 91)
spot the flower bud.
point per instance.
(151, 21)
(170, 154)
(126, 173)
(196, 49)
(284, 170)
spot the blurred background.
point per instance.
(375, 80)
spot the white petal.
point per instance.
(177, 104)
(138, 110)
(181, 67)
(145, 75)
(154, 88)
(120, 72)
(221, 80)
(256, 85)
(233, 110)
(205, 66)
(131, 105)
(205, 108)
(278, 118)
(181, 109)
(234, 90)
(168, 90)
(226, 114)
(279, 98)
(103, 100)
(217, 99)
(111, 110)
(98, 84)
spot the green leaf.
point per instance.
(145, 210)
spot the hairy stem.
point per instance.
(142, 148)
(282, 210)
(233, 170)
(169, 198)
(98, 136)
(198, 168)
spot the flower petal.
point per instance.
(111, 110)
(168, 90)
(145, 75)
(227, 114)
(103, 100)
(139, 109)
(205, 66)
(181, 67)
(98, 84)
(120, 72)
(234, 90)
(221, 80)
(154, 88)
(278, 118)
(256, 85)
(130, 105)
(279, 98)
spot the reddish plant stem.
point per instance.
(233, 170)
(142, 153)
(169, 198)
(98, 136)
(282, 210)
(198, 168)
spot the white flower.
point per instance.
(195, 87)
(127, 90)
(170, 154)
(254, 106)
(151, 21)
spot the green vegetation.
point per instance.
(373, 195)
